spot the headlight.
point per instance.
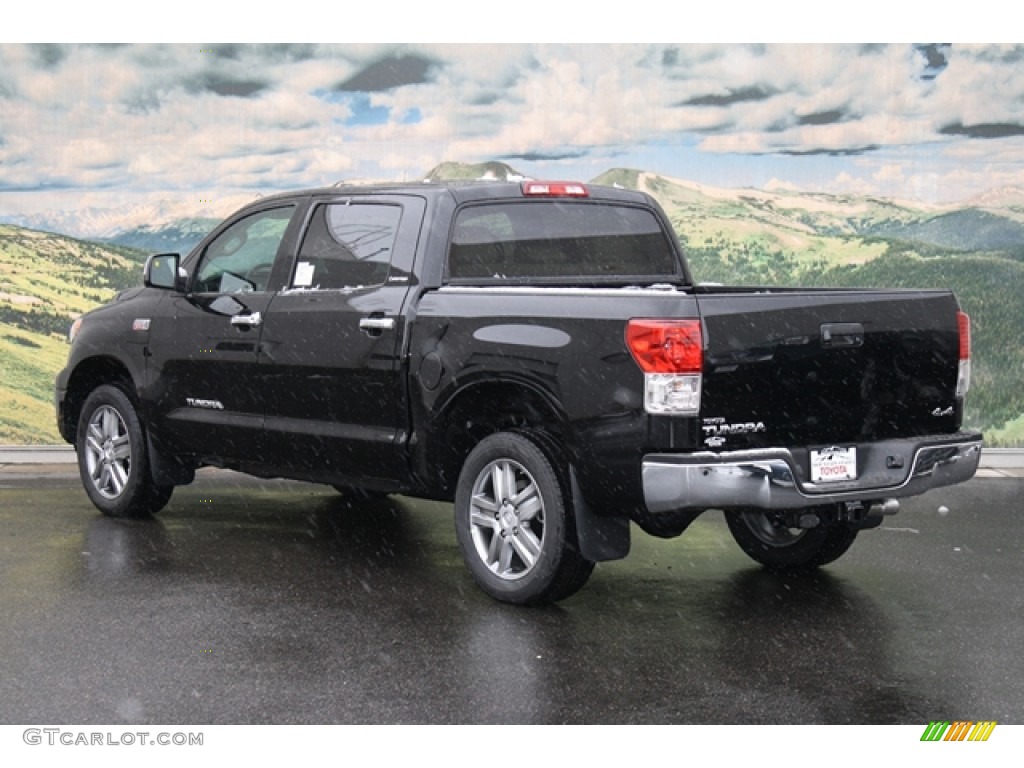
(73, 331)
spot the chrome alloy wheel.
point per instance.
(108, 452)
(507, 519)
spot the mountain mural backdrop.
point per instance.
(53, 268)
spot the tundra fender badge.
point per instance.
(195, 402)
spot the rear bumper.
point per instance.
(775, 478)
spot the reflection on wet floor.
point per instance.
(249, 601)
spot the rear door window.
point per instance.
(347, 246)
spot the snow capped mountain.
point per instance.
(109, 223)
(999, 197)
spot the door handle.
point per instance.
(377, 324)
(247, 321)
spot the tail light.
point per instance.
(671, 355)
(963, 378)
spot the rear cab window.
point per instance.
(560, 242)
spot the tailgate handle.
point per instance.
(842, 335)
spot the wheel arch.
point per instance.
(471, 413)
(487, 406)
(87, 375)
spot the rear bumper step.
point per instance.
(774, 478)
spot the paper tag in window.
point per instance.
(303, 275)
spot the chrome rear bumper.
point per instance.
(775, 478)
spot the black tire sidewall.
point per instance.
(539, 583)
(817, 546)
(140, 495)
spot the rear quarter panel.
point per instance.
(566, 346)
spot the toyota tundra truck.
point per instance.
(537, 353)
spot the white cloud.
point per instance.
(176, 118)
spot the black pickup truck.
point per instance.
(539, 354)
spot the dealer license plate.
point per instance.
(831, 465)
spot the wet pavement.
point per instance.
(251, 601)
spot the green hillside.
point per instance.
(46, 280)
(969, 230)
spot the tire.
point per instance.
(514, 524)
(765, 538)
(112, 457)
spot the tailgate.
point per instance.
(798, 368)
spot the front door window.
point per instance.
(241, 258)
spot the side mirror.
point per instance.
(162, 271)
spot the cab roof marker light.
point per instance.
(554, 189)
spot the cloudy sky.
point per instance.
(91, 125)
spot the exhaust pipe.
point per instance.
(882, 508)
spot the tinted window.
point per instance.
(242, 257)
(552, 240)
(347, 245)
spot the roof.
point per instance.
(461, 191)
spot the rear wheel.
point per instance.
(514, 522)
(112, 457)
(767, 539)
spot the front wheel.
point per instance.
(112, 457)
(766, 538)
(513, 521)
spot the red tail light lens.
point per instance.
(666, 346)
(964, 323)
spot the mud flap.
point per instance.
(600, 537)
(167, 471)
